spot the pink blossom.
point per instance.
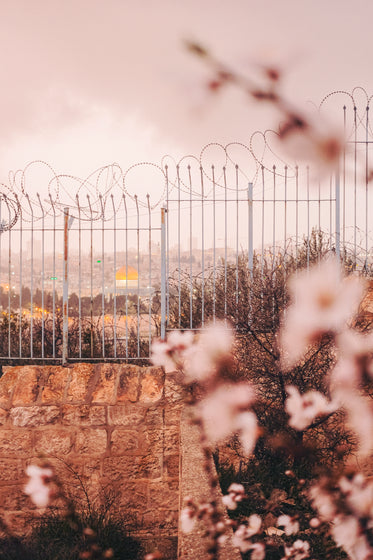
(242, 536)
(358, 493)
(303, 409)
(236, 493)
(187, 519)
(214, 345)
(323, 502)
(38, 486)
(290, 525)
(170, 353)
(346, 532)
(298, 551)
(355, 352)
(359, 417)
(223, 413)
(322, 303)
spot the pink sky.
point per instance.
(91, 82)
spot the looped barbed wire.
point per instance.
(104, 191)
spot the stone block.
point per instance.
(54, 441)
(128, 384)
(8, 383)
(171, 466)
(125, 415)
(91, 441)
(3, 416)
(12, 469)
(15, 442)
(132, 467)
(164, 495)
(55, 384)
(28, 385)
(83, 415)
(154, 416)
(82, 376)
(31, 416)
(12, 497)
(171, 441)
(152, 383)
(131, 442)
(104, 390)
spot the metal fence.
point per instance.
(96, 274)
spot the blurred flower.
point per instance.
(38, 487)
(224, 412)
(242, 536)
(170, 353)
(290, 525)
(187, 519)
(347, 533)
(322, 303)
(236, 493)
(303, 409)
(298, 551)
(212, 349)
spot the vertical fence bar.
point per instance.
(237, 246)
(285, 215)
(126, 264)
(178, 246)
(31, 280)
(366, 187)
(225, 242)
(355, 185)
(149, 289)
(65, 291)
(337, 214)
(53, 281)
(138, 274)
(9, 278)
(80, 274)
(163, 273)
(167, 250)
(20, 274)
(203, 247)
(91, 278)
(42, 276)
(308, 217)
(114, 277)
(250, 245)
(296, 215)
(214, 244)
(190, 250)
(344, 184)
(262, 240)
(102, 274)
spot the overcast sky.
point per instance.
(90, 82)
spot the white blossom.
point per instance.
(187, 519)
(322, 303)
(37, 487)
(244, 533)
(290, 525)
(303, 409)
(223, 413)
(298, 551)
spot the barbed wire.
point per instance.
(107, 190)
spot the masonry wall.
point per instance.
(114, 426)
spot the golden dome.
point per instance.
(126, 274)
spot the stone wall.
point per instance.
(112, 428)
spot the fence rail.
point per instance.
(97, 274)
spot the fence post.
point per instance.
(163, 273)
(337, 214)
(65, 294)
(250, 232)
